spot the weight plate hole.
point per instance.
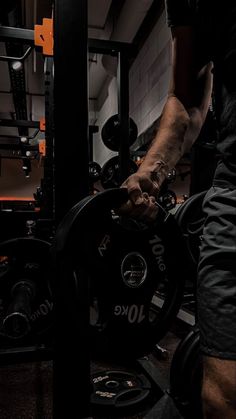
(112, 384)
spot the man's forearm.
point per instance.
(179, 126)
(169, 144)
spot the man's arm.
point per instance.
(184, 112)
(182, 118)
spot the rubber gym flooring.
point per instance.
(26, 389)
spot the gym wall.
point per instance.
(109, 107)
(149, 80)
(149, 77)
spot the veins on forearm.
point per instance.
(169, 142)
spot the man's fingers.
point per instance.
(150, 206)
(136, 196)
(143, 207)
(143, 192)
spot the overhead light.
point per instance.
(16, 65)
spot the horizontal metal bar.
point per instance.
(19, 123)
(24, 36)
(102, 46)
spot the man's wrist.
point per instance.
(157, 177)
(160, 166)
(155, 163)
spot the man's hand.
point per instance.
(143, 188)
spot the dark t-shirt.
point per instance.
(215, 28)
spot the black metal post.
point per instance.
(19, 123)
(72, 361)
(92, 130)
(71, 104)
(47, 183)
(123, 112)
(103, 46)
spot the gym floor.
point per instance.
(26, 389)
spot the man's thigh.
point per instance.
(216, 296)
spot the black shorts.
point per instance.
(216, 296)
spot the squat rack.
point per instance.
(71, 147)
(69, 181)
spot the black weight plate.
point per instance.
(190, 218)
(114, 391)
(135, 292)
(110, 173)
(186, 375)
(26, 260)
(191, 209)
(111, 133)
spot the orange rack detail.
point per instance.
(42, 124)
(43, 36)
(42, 147)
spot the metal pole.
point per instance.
(123, 112)
(72, 361)
(71, 105)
